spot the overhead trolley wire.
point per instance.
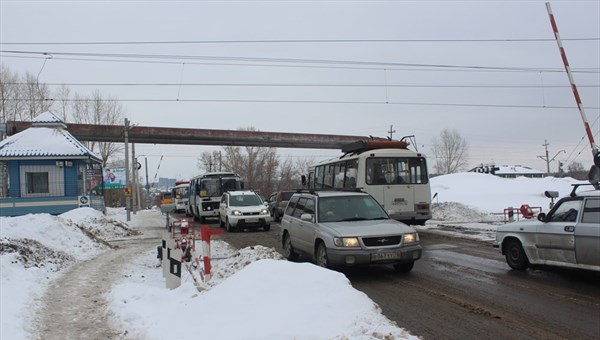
(291, 41)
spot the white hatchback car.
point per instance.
(568, 236)
(243, 210)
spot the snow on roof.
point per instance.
(516, 169)
(48, 119)
(44, 142)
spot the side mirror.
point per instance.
(541, 217)
(306, 217)
(551, 194)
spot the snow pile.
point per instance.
(248, 286)
(97, 224)
(494, 194)
(458, 212)
(31, 253)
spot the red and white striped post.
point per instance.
(563, 55)
(206, 232)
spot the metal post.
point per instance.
(127, 183)
(134, 179)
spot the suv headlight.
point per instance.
(411, 238)
(346, 241)
(236, 213)
(264, 211)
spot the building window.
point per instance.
(37, 183)
(42, 181)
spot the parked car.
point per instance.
(243, 210)
(568, 236)
(277, 203)
(346, 228)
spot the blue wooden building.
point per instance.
(44, 169)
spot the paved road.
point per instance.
(464, 289)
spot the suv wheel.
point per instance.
(229, 227)
(288, 250)
(321, 255)
(515, 255)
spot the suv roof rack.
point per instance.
(575, 186)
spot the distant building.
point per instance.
(166, 183)
(507, 171)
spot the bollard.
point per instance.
(206, 232)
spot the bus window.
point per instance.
(402, 176)
(418, 171)
(328, 178)
(339, 172)
(376, 171)
(318, 180)
(351, 168)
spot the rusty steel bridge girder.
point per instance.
(164, 135)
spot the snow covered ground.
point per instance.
(249, 286)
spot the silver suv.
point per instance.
(243, 210)
(346, 228)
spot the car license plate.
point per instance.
(385, 256)
(251, 220)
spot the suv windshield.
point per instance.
(350, 208)
(244, 200)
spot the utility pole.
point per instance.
(127, 183)
(392, 131)
(548, 159)
(545, 145)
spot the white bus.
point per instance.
(394, 175)
(206, 191)
(181, 197)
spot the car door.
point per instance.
(299, 234)
(555, 239)
(587, 233)
(307, 230)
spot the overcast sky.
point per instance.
(489, 69)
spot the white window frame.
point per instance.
(56, 180)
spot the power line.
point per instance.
(316, 102)
(291, 41)
(238, 64)
(272, 60)
(308, 85)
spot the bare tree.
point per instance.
(98, 109)
(576, 171)
(209, 161)
(35, 97)
(257, 165)
(22, 98)
(451, 152)
(62, 102)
